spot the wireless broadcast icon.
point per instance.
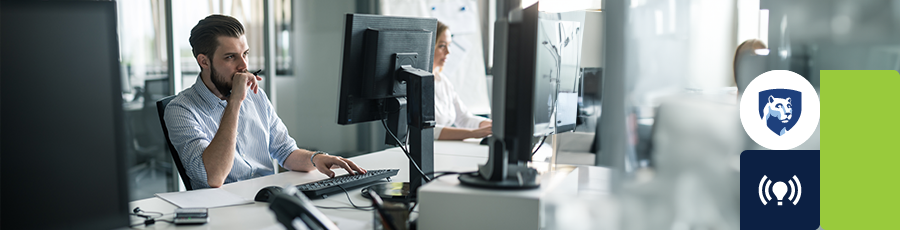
(779, 189)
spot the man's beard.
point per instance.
(222, 87)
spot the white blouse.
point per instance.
(449, 111)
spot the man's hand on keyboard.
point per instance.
(324, 163)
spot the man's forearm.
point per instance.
(298, 160)
(219, 155)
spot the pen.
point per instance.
(257, 72)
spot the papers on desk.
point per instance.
(203, 198)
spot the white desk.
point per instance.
(448, 156)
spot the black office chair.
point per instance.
(161, 107)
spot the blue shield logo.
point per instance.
(780, 109)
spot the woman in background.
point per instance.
(454, 121)
(746, 48)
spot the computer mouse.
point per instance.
(267, 193)
(484, 141)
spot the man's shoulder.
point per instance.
(187, 98)
(180, 98)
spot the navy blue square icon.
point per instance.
(780, 189)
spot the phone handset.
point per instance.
(291, 204)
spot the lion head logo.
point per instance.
(780, 109)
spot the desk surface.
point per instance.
(449, 156)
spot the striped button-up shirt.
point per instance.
(193, 118)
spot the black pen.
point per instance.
(257, 72)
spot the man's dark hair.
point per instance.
(205, 35)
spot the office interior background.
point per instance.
(665, 66)
(667, 49)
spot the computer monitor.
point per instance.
(535, 93)
(557, 75)
(63, 133)
(369, 68)
(386, 75)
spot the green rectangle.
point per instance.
(860, 164)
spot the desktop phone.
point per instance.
(191, 216)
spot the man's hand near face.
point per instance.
(242, 82)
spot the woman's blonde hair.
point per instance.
(746, 46)
(441, 29)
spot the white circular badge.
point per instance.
(780, 110)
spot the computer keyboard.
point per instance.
(323, 188)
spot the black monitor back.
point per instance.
(62, 140)
(517, 120)
(541, 84)
(371, 43)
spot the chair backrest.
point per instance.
(161, 108)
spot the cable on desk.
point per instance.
(137, 212)
(384, 123)
(539, 145)
(413, 208)
(363, 208)
(148, 220)
(444, 173)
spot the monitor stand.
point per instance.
(517, 177)
(499, 173)
(419, 110)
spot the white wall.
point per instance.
(307, 102)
